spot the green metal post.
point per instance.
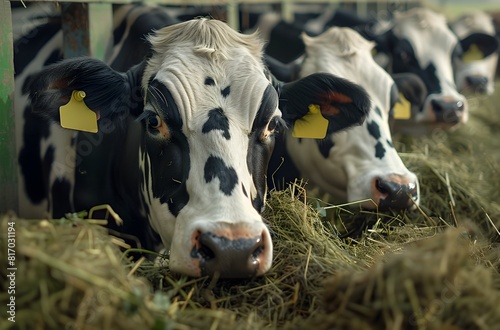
(8, 167)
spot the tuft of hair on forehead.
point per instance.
(341, 41)
(210, 37)
(423, 17)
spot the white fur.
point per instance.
(433, 42)
(476, 21)
(182, 66)
(351, 167)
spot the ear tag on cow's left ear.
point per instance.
(472, 54)
(402, 109)
(312, 126)
(76, 115)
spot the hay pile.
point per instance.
(437, 267)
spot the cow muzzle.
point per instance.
(395, 192)
(477, 83)
(232, 252)
(449, 112)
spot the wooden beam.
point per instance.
(8, 163)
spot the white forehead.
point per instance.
(427, 32)
(186, 54)
(345, 53)
(476, 21)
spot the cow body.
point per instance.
(475, 73)
(360, 164)
(185, 136)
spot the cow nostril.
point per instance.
(437, 106)
(205, 252)
(396, 192)
(258, 251)
(382, 187)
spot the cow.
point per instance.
(178, 144)
(475, 70)
(420, 42)
(360, 164)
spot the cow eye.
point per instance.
(154, 121)
(274, 124)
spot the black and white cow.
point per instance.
(475, 70)
(420, 42)
(183, 143)
(359, 164)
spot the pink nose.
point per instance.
(230, 257)
(395, 192)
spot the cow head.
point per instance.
(360, 163)
(475, 69)
(210, 112)
(420, 42)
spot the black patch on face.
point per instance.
(259, 152)
(377, 111)
(162, 100)
(209, 81)
(217, 121)
(61, 190)
(170, 162)
(379, 150)
(373, 129)
(431, 80)
(169, 168)
(404, 60)
(325, 146)
(216, 168)
(225, 92)
(389, 143)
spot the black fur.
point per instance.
(320, 88)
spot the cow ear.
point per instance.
(342, 103)
(477, 46)
(411, 86)
(103, 87)
(284, 72)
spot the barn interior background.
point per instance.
(334, 267)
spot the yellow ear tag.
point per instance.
(76, 115)
(402, 109)
(312, 126)
(472, 54)
(374, 52)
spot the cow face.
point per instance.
(209, 113)
(475, 69)
(423, 44)
(360, 163)
(208, 102)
